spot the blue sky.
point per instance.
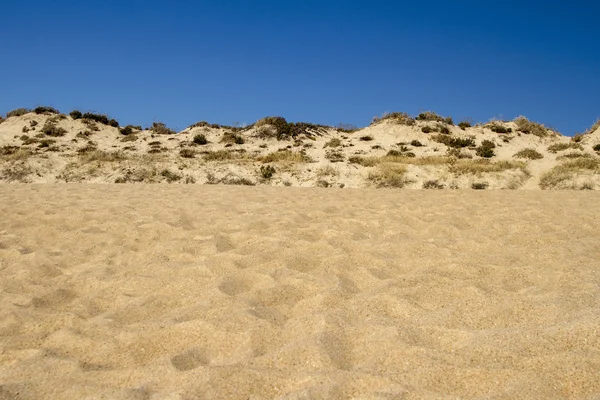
(328, 62)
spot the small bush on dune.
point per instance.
(286, 155)
(556, 147)
(161, 129)
(127, 130)
(531, 154)
(219, 155)
(102, 156)
(232, 138)
(476, 167)
(334, 142)
(433, 184)
(596, 147)
(464, 125)
(200, 139)
(17, 112)
(594, 127)
(455, 142)
(51, 129)
(366, 138)
(486, 149)
(567, 171)
(100, 118)
(389, 175)
(267, 171)
(416, 143)
(497, 127)
(396, 117)
(76, 114)
(529, 127)
(431, 116)
(479, 185)
(170, 176)
(187, 153)
(45, 110)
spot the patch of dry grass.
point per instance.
(481, 166)
(102, 156)
(400, 118)
(529, 127)
(284, 156)
(389, 175)
(529, 153)
(556, 147)
(593, 128)
(560, 175)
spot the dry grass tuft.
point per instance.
(284, 156)
(389, 175)
(481, 166)
(556, 147)
(529, 127)
(529, 153)
(561, 175)
(594, 127)
(101, 156)
(400, 118)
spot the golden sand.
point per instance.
(186, 292)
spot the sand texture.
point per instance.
(222, 292)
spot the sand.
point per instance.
(191, 292)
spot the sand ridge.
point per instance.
(160, 291)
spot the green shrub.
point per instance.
(454, 142)
(51, 129)
(232, 137)
(486, 149)
(464, 125)
(267, 171)
(531, 154)
(497, 128)
(33, 123)
(76, 114)
(416, 143)
(200, 139)
(128, 130)
(45, 110)
(100, 118)
(431, 116)
(366, 138)
(17, 112)
(428, 129)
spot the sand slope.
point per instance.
(186, 292)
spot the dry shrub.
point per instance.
(529, 127)
(567, 171)
(400, 118)
(480, 166)
(101, 156)
(556, 147)
(455, 142)
(391, 175)
(17, 112)
(570, 156)
(327, 170)
(594, 127)
(16, 172)
(219, 155)
(334, 142)
(529, 153)
(289, 156)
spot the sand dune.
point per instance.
(186, 292)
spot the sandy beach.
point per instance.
(228, 292)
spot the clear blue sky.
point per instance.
(325, 62)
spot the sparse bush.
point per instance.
(219, 155)
(366, 138)
(232, 137)
(17, 112)
(45, 110)
(200, 139)
(464, 125)
(431, 116)
(396, 117)
(596, 147)
(100, 118)
(498, 128)
(578, 137)
(416, 143)
(170, 176)
(593, 128)
(486, 149)
(284, 156)
(33, 123)
(335, 156)
(334, 142)
(44, 143)
(267, 171)
(390, 175)
(364, 161)
(187, 153)
(161, 129)
(476, 167)
(455, 142)
(556, 147)
(433, 184)
(529, 127)
(531, 154)
(458, 153)
(25, 129)
(479, 185)
(51, 129)
(570, 156)
(128, 130)
(560, 175)
(129, 138)
(76, 114)
(428, 129)
(282, 127)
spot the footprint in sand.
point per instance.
(189, 360)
